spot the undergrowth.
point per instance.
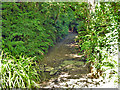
(19, 73)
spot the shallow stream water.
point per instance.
(65, 68)
(63, 50)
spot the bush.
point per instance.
(32, 28)
(99, 37)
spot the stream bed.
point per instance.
(64, 68)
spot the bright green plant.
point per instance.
(32, 28)
(97, 36)
(19, 73)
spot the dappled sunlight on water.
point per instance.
(64, 62)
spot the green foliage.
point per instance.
(99, 35)
(19, 73)
(30, 30)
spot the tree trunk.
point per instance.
(91, 5)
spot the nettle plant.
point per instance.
(99, 39)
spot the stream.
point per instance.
(64, 68)
(64, 50)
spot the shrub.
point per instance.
(99, 37)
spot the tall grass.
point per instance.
(18, 73)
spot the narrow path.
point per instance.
(66, 68)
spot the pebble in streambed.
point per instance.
(65, 79)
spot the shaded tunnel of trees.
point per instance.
(29, 29)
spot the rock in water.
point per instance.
(48, 69)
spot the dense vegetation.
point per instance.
(99, 39)
(29, 29)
